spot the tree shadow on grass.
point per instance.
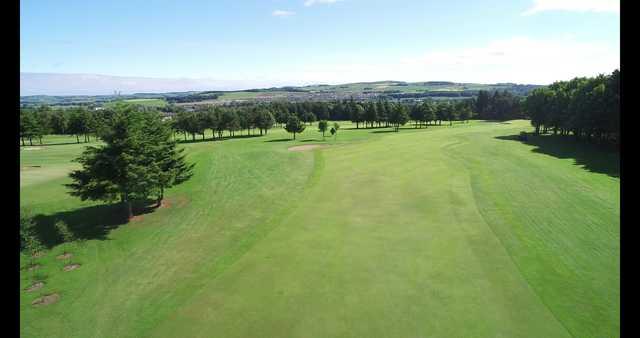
(383, 131)
(280, 140)
(604, 159)
(87, 223)
(209, 139)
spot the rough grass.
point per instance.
(456, 231)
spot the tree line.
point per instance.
(220, 119)
(587, 108)
(43, 120)
(369, 114)
(251, 117)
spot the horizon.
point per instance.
(127, 79)
(257, 44)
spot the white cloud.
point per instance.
(612, 6)
(518, 60)
(282, 13)
(313, 2)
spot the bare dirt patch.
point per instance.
(46, 300)
(169, 202)
(35, 286)
(65, 256)
(70, 267)
(307, 147)
(166, 203)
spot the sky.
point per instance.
(247, 44)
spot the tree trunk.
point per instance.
(127, 206)
(129, 210)
(193, 136)
(160, 197)
(22, 138)
(30, 141)
(77, 139)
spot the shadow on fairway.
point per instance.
(383, 131)
(280, 140)
(224, 138)
(93, 222)
(58, 144)
(604, 159)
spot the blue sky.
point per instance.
(323, 41)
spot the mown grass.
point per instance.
(440, 232)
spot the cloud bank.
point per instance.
(308, 3)
(94, 84)
(281, 13)
(517, 60)
(603, 6)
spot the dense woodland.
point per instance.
(585, 107)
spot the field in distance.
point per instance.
(156, 103)
(461, 231)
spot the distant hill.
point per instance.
(320, 92)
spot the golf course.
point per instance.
(465, 230)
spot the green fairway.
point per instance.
(459, 231)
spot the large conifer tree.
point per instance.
(138, 161)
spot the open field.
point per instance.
(143, 102)
(459, 231)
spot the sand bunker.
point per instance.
(71, 267)
(65, 256)
(307, 147)
(31, 148)
(33, 267)
(35, 287)
(46, 300)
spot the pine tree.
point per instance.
(137, 161)
(170, 161)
